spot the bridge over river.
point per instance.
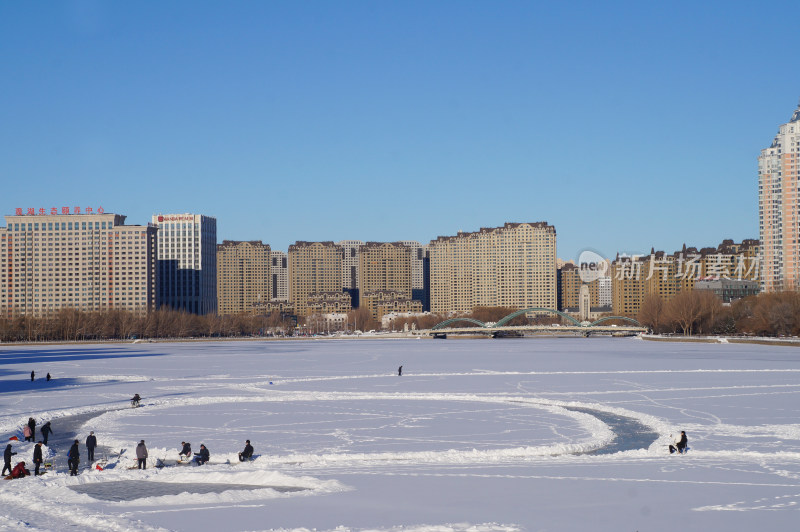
(502, 327)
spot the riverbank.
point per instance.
(793, 342)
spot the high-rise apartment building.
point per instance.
(243, 276)
(778, 212)
(385, 266)
(280, 276)
(187, 262)
(314, 267)
(89, 261)
(510, 266)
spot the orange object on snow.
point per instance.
(98, 467)
(13, 438)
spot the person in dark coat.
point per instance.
(247, 454)
(73, 459)
(48, 377)
(186, 450)
(19, 471)
(135, 399)
(680, 445)
(46, 432)
(203, 456)
(33, 375)
(37, 458)
(141, 455)
(7, 459)
(91, 443)
(32, 425)
(400, 371)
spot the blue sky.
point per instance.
(624, 124)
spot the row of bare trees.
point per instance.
(76, 325)
(701, 312)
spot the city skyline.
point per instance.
(623, 128)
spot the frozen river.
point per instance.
(477, 435)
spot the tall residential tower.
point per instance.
(778, 216)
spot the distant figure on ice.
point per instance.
(400, 371)
(141, 455)
(33, 375)
(91, 443)
(186, 451)
(73, 459)
(48, 377)
(135, 399)
(46, 432)
(19, 471)
(37, 458)
(247, 454)
(203, 456)
(680, 444)
(7, 459)
(32, 426)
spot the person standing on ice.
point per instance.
(135, 400)
(203, 456)
(680, 444)
(7, 459)
(46, 432)
(247, 454)
(73, 459)
(141, 455)
(91, 443)
(26, 433)
(32, 425)
(48, 377)
(400, 371)
(33, 375)
(37, 458)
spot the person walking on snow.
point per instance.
(37, 458)
(680, 444)
(400, 371)
(7, 459)
(203, 456)
(141, 455)
(48, 377)
(135, 399)
(46, 432)
(247, 454)
(91, 443)
(32, 425)
(73, 459)
(33, 375)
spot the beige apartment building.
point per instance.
(779, 208)
(313, 267)
(329, 303)
(665, 275)
(570, 282)
(382, 302)
(510, 266)
(243, 275)
(384, 266)
(89, 261)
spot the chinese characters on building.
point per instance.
(41, 211)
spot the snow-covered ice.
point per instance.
(476, 436)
